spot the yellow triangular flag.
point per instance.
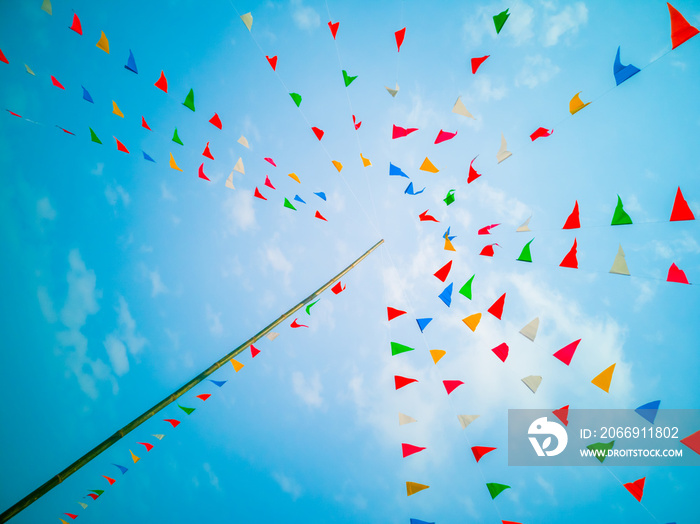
(414, 487)
(134, 457)
(236, 365)
(103, 43)
(575, 105)
(405, 419)
(604, 378)
(63, 521)
(619, 266)
(294, 176)
(337, 165)
(530, 330)
(173, 164)
(465, 420)
(428, 166)
(365, 161)
(244, 142)
(503, 152)
(448, 244)
(159, 436)
(437, 354)
(83, 504)
(239, 166)
(392, 92)
(229, 181)
(247, 20)
(29, 70)
(116, 110)
(46, 6)
(472, 321)
(524, 226)
(461, 109)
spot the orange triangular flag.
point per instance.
(437, 354)
(414, 487)
(472, 321)
(604, 378)
(237, 366)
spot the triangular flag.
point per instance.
(272, 335)
(273, 61)
(29, 70)
(681, 210)
(294, 177)
(289, 205)
(247, 20)
(296, 325)
(134, 457)
(237, 366)
(425, 217)
(318, 132)
(144, 124)
(532, 382)
(399, 35)
(600, 449)
(503, 152)
(476, 62)
(267, 159)
(397, 349)
(120, 146)
(239, 166)
(334, 28)
(347, 78)
(244, 142)
(337, 165)
(636, 488)
(201, 173)
(229, 181)
(110, 480)
(392, 313)
(400, 132)
(603, 379)
(189, 100)
(162, 83)
(148, 445)
(187, 410)
(207, 152)
(131, 63)
(460, 109)
(46, 7)
(486, 230)
(649, 410)
(428, 166)
(472, 321)
(570, 259)
(693, 442)
(84, 506)
(218, 383)
(676, 275)
(529, 331)
(441, 274)
(103, 43)
(365, 161)
(396, 171)
(448, 245)
(216, 121)
(573, 222)
(620, 216)
(254, 352)
(437, 354)
(525, 226)
(3, 58)
(501, 351)
(423, 323)
(525, 255)
(76, 26)
(391, 91)
(541, 132)
(443, 136)
(681, 30)
(405, 419)
(466, 289)
(268, 183)
(500, 19)
(621, 72)
(93, 136)
(176, 137)
(480, 451)
(174, 423)
(296, 97)
(576, 104)
(562, 414)
(619, 266)
(338, 288)
(450, 198)
(451, 385)
(414, 487)
(203, 397)
(446, 295)
(496, 489)
(410, 449)
(400, 381)
(173, 164)
(566, 353)
(55, 82)
(496, 308)
(123, 469)
(465, 420)
(473, 175)
(319, 216)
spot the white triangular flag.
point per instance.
(532, 382)
(392, 92)
(272, 335)
(405, 419)
(524, 225)
(239, 166)
(530, 330)
(619, 266)
(503, 153)
(465, 420)
(247, 20)
(461, 109)
(243, 141)
(229, 181)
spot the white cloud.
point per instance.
(305, 17)
(239, 212)
(308, 391)
(214, 321)
(288, 485)
(116, 350)
(127, 328)
(46, 304)
(165, 193)
(99, 169)
(213, 479)
(114, 195)
(536, 70)
(157, 284)
(568, 20)
(487, 91)
(278, 261)
(519, 24)
(44, 210)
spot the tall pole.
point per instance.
(94, 452)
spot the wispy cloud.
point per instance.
(45, 210)
(157, 286)
(239, 212)
(536, 70)
(569, 20)
(309, 391)
(305, 17)
(214, 321)
(288, 485)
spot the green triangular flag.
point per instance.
(308, 308)
(496, 489)
(296, 97)
(620, 216)
(450, 197)
(601, 447)
(525, 255)
(397, 348)
(93, 136)
(176, 138)
(186, 410)
(97, 492)
(467, 288)
(288, 204)
(189, 101)
(348, 79)
(500, 19)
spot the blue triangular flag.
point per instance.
(298, 199)
(321, 194)
(446, 295)
(396, 171)
(411, 191)
(86, 96)
(649, 410)
(146, 156)
(621, 72)
(419, 521)
(131, 63)
(121, 468)
(447, 235)
(218, 383)
(422, 322)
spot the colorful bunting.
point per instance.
(295, 324)
(103, 43)
(399, 132)
(525, 255)
(189, 100)
(172, 422)
(541, 132)
(237, 366)
(207, 152)
(392, 313)
(365, 161)
(487, 251)
(503, 152)
(411, 191)
(428, 166)
(693, 442)
(410, 449)
(201, 173)
(338, 288)
(173, 164)
(273, 62)
(76, 26)
(244, 142)
(26, 67)
(486, 230)
(247, 19)
(254, 352)
(466, 289)
(110, 480)
(405, 419)
(414, 487)
(215, 121)
(423, 323)
(134, 457)
(121, 147)
(289, 205)
(148, 445)
(46, 7)
(334, 28)
(55, 82)
(187, 410)
(496, 308)
(396, 171)
(576, 104)
(86, 95)
(529, 331)
(218, 383)
(499, 20)
(601, 449)
(636, 488)
(446, 295)
(460, 109)
(347, 79)
(473, 175)
(524, 227)
(176, 137)
(318, 132)
(93, 136)
(437, 354)
(391, 91)
(337, 165)
(465, 420)
(162, 83)
(268, 183)
(144, 124)
(619, 266)
(131, 63)
(320, 216)
(123, 469)
(496, 489)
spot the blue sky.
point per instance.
(125, 278)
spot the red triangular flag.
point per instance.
(334, 28)
(120, 146)
(57, 83)
(110, 480)
(540, 133)
(400, 34)
(573, 222)
(473, 175)
(93, 496)
(444, 136)
(497, 308)
(501, 351)
(268, 159)
(681, 30)
(13, 113)
(254, 352)
(201, 173)
(76, 25)
(162, 83)
(451, 385)
(356, 123)
(441, 274)
(410, 449)
(273, 62)
(693, 442)
(215, 120)
(71, 515)
(480, 451)
(487, 251)
(570, 259)
(676, 275)
(294, 324)
(268, 183)
(258, 194)
(681, 210)
(400, 381)
(206, 152)
(144, 124)
(149, 446)
(476, 62)
(3, 58)
(566, 353)
(425, 217)
(320, 216)
(392, 313)
(172, 421)
(636, 488)
(562, 414)
(399, 132)
(318, 132)
(338, 288)
(486, 230)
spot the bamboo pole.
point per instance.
(94, 452)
